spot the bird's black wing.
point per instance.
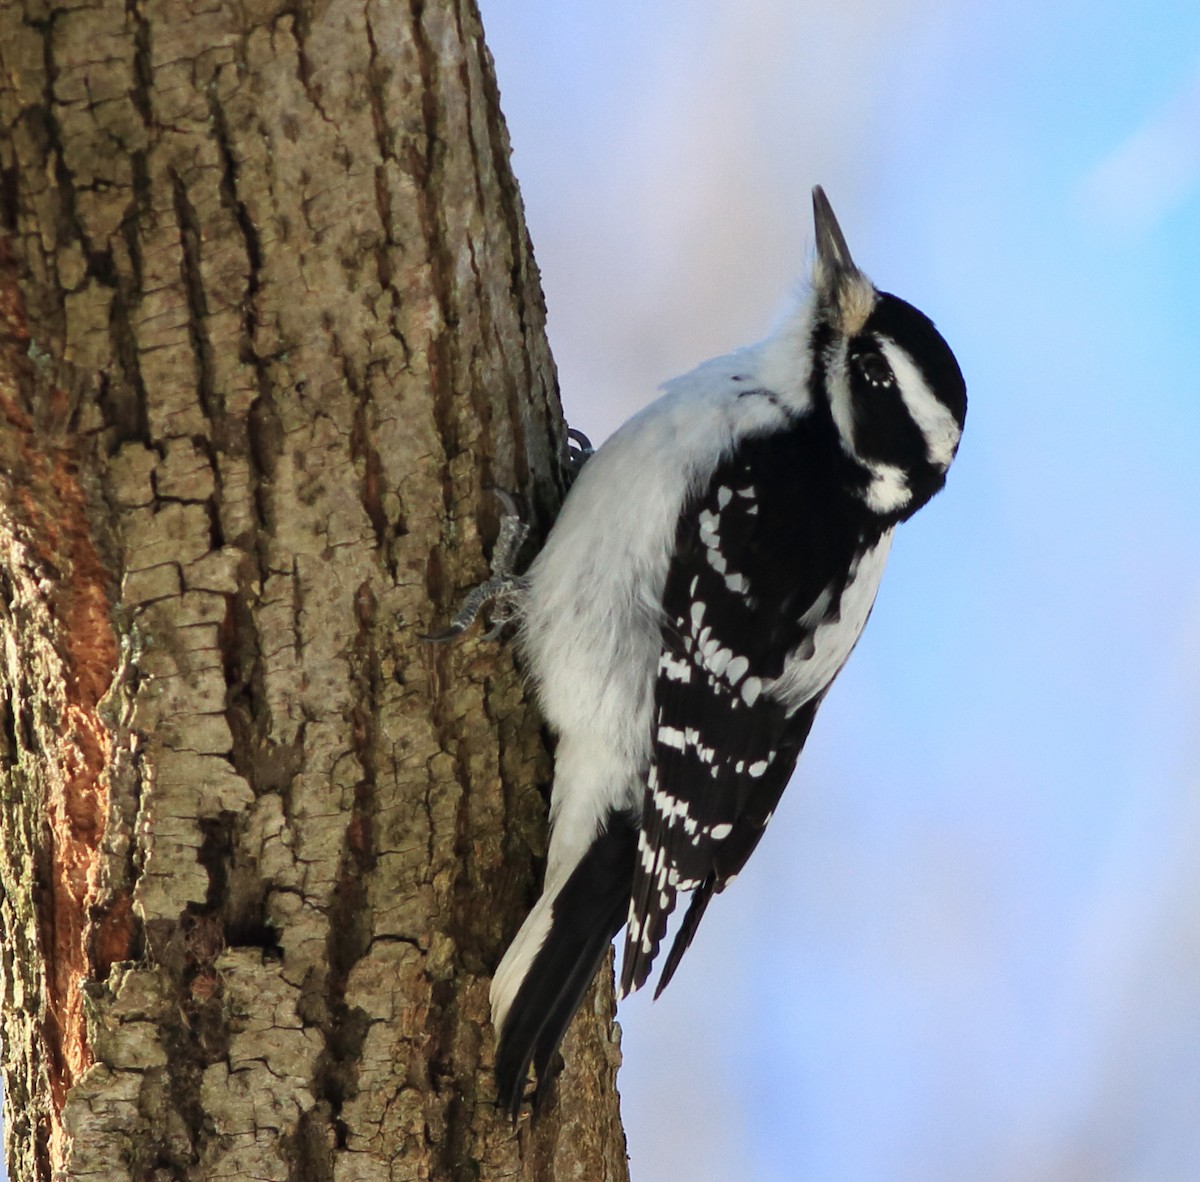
(755, 551)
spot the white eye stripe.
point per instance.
(932, 416)
(938, 426)
(841, 402)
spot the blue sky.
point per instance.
(969, 946)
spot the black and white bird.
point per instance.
(711, 570)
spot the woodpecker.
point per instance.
(711, 570)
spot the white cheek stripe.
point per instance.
(888, 491)
(932, 416)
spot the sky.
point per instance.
(969, 946)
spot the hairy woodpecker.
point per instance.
(711, 570)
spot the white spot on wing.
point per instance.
(736, 670)
(668, 736)
(716, 658)
(738, 584)
(646, 854)
(674, 668)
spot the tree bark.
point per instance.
(269, 330)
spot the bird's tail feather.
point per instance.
(541, 981)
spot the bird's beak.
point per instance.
(844, 293)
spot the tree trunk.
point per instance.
(270, 331)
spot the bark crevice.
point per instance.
(262, 845)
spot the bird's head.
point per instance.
(892, 386)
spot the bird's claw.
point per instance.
(503, 589)
(579, 451)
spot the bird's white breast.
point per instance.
(592, 616)
(817, 662)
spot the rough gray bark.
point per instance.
(270, 329)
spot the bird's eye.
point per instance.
(874, 368)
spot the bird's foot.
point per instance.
(503, 590)
(579, 451)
